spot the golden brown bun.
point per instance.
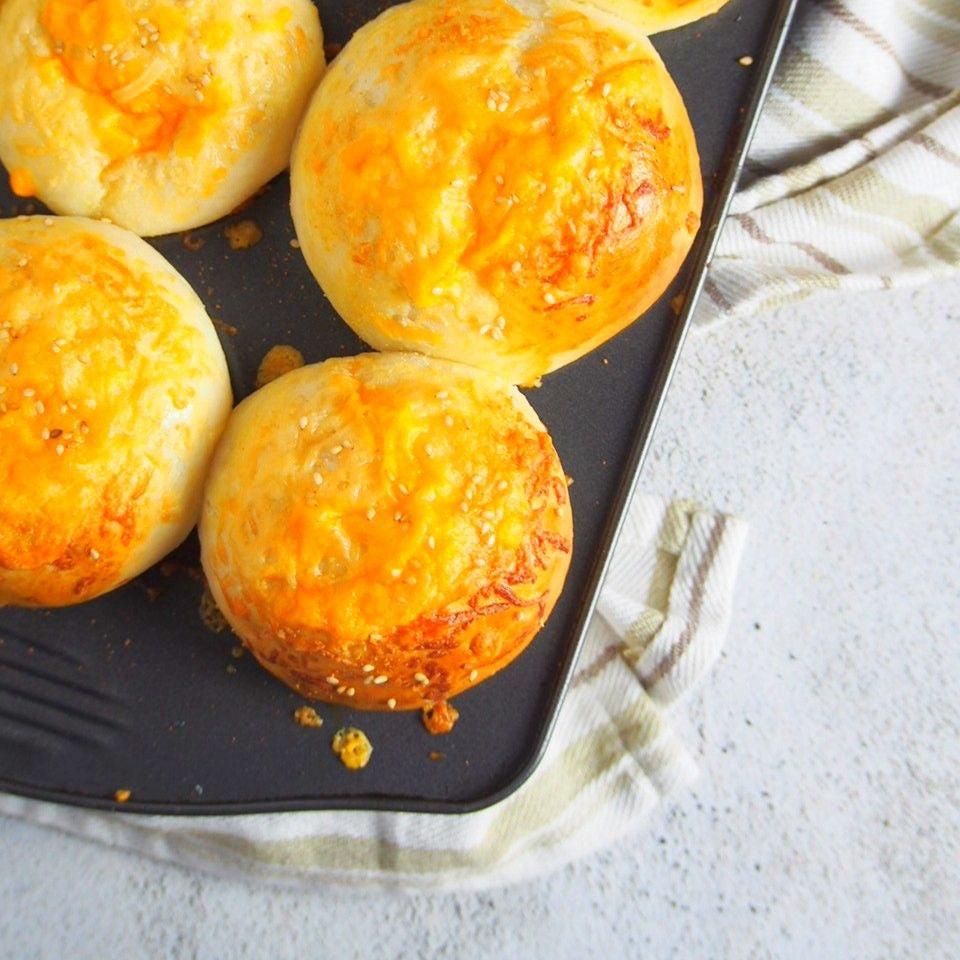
(113, 392)
(472, 183)
(385, 530)
(158, 115)
(654, 16)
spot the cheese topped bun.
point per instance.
(476, 183)
(113, 393)
(385, 530)
(159, 115)
(657, 15)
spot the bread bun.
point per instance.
(477, 183)
(655, 16)
(385, 530)
(113, 392)
(160, 116)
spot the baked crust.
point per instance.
(160, 116)
(499, 187)
(386, 530)
(113, 393)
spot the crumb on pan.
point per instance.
(276, 362)
(746, 61)
(440, 717)
(227, 328)
(122, 796)
(243, 235)
(237, 652)
(210, 613)
(192, 242)
(352, 747)
(435, 755)
(307, 717)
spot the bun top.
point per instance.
(390, 510)
(157, 114)
(654, 16)
(503, 184)
(113, 392)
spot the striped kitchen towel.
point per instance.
(663, 614)
(853, 181)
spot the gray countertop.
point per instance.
(826, 820)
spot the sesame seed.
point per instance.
(500, 180)
(303, 423)
(502, 485)
(497, 334)
(350, 691)
(501, 322)
(391, 703)
(333, 681)
(94, 554)
(39, 407)
(14, 369)
(337, 449)
(432, 542)
(367, 668)
(22, 262)
(29, 392)
(60, 449)
(438, 291)
(48, 221)
(549, 298)
(382, 679)
(430, 495)
(45, 434)
(395, 573)
(318, 479)
(421, 678)
(442, 394)
(746, 61)
(403, 489)
(371, 513)
(473, 675)
(606, 90)
(342, 689)
(485, 329)
(448, 420)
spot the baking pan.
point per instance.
(135, 691)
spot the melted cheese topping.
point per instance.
(401, 503)
(124, 57)
(159, 115)
(540, 175)
(524, 172)
(656, 15)
(95, 360)
(370, 510)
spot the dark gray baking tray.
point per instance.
(133, 691)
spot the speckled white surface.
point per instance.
(826, 823)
